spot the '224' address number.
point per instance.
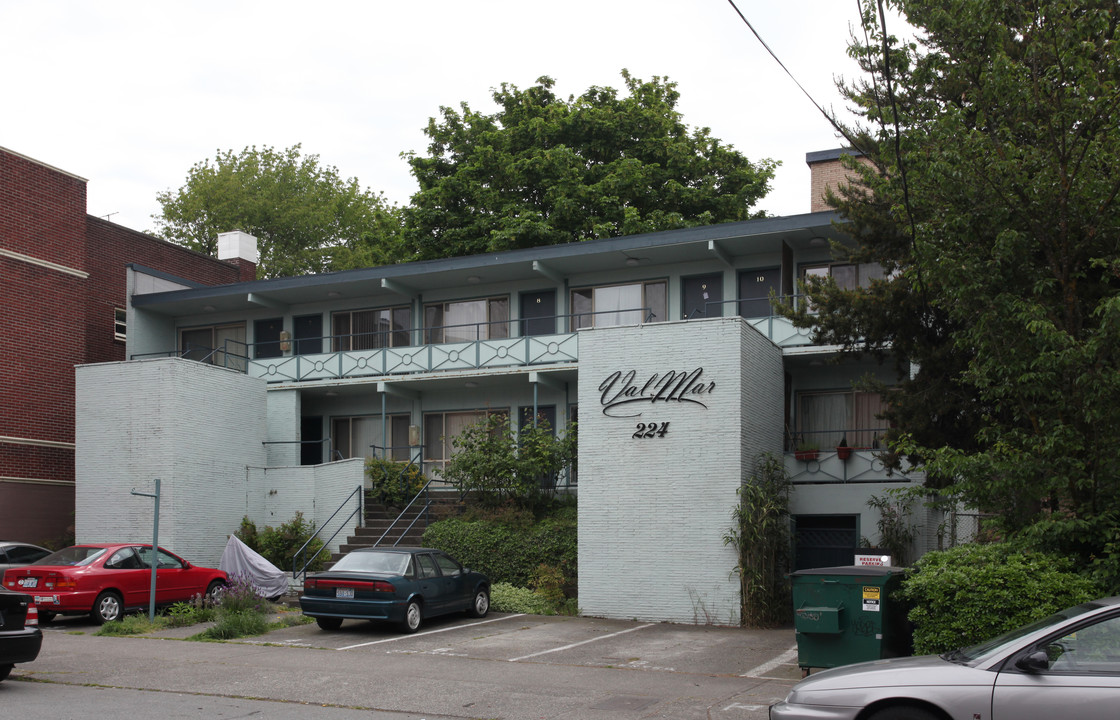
(650, 430)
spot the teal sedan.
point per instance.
(397, 585)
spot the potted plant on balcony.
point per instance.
(842, 450)
(806, 451)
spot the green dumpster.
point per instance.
(844, 615)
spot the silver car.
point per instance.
(16, 554)
(1067, 665)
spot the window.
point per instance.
(612, 305)
(847, 276)
(467, 321)
(120, 324)
(1088, 650)
(826, 418)
(440, 431)
(371, 329)
(362, 436)
(222, 345)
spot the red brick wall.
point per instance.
(827, 175)
(109, 248)
(52, 320)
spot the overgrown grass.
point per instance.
(240, 612)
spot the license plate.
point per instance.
(28, 582)
(344, 592)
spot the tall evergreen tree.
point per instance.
(992, 199)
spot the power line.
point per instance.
(827, 116)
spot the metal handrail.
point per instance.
(424, 510)
(301, 572)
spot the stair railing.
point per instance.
(300, 572)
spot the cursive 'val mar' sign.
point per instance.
(620, 389)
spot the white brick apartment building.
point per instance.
(261, 398)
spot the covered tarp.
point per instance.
(241, 562)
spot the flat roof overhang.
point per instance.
(726, 241)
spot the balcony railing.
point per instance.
(467, 346)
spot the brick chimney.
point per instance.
(239, 249)
(826, 172)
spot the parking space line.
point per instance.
(431, 632)
(768, 666)
(594, 639)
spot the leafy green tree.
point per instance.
(306, 218)
(543, 170)
(990, 197)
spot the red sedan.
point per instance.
(108, 579)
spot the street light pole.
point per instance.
(155, 552)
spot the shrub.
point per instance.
(510, 553)
(974, 592)
(509, 598)
(279, 545)
(394, 483)
(496, 465)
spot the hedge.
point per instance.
(972, 593)
(505, 553)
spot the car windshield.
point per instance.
(77, 555)
(389, 563)
(978, 652)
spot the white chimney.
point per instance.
(237, 245)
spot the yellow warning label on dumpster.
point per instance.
(870, 593)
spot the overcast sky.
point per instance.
(129, 95)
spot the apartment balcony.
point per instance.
(843, 465)
(475, 346)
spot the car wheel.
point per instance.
(481, 604)
(108, 606)
(413, 616)
(329, 623)
(903, 713)
(214, 592)
(5, 670)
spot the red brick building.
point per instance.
(62, 301)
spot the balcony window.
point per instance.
(222, 345)
(847, 276)
(363, 437)
(467, 321)
(612, 305)
(371, 329)
(440, 431)
(826, 418)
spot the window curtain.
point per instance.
(825, 418)
(868, 431)
(463, 321)
(618, 305)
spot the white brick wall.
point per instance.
(200, 429)
(653, 512)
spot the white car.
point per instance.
(1067, 665)
(15, 554)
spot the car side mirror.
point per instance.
(1037, 661)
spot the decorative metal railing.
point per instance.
(477, 346)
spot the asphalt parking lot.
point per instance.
(503, 666)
